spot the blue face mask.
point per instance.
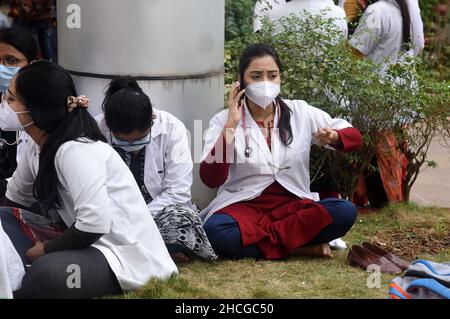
(131, 147)
(6, 74)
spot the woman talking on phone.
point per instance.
(257, 152)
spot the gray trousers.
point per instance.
(69, 274)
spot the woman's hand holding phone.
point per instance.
(235, 104)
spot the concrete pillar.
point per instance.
(174, 47)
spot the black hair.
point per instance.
(127, 108)
(21, 40)
(406, 21)
(252, 52)
(44, 87)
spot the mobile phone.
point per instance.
(241, 87)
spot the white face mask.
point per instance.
(131, 147)
(262, 93)
(9, 120)
(6, 74)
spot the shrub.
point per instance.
(238, 18)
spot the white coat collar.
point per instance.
(157, 128)
(250, 122)
(257, 138)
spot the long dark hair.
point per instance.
(252, 52)
(127, 108)
(43, 87)
(406, 21)
(21, 40)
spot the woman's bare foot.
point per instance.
(179, 257)
(322, 250)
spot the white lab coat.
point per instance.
(418, 37)
(379, 35)
(287, 165)
(21, 147)
(98, 194)
(326, 8)
(168, 162)
(11, 267)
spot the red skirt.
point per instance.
(278, 221)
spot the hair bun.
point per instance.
(122, 82)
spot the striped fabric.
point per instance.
(35, 227)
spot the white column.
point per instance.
(174, 47)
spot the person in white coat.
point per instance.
(325, 8)
(154, 145)
(385, 35)
(257, 153)
(325, 185)
(95, 223)
(417, 29)
(387, 29)
(355, 8)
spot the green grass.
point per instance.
(308, 277)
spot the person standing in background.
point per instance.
(385, 35)
(54, 35)
(36, 16)
(326, 8)
(355, 8)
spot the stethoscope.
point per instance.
(248, 151)
(4, 143)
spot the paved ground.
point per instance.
(432, 187)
